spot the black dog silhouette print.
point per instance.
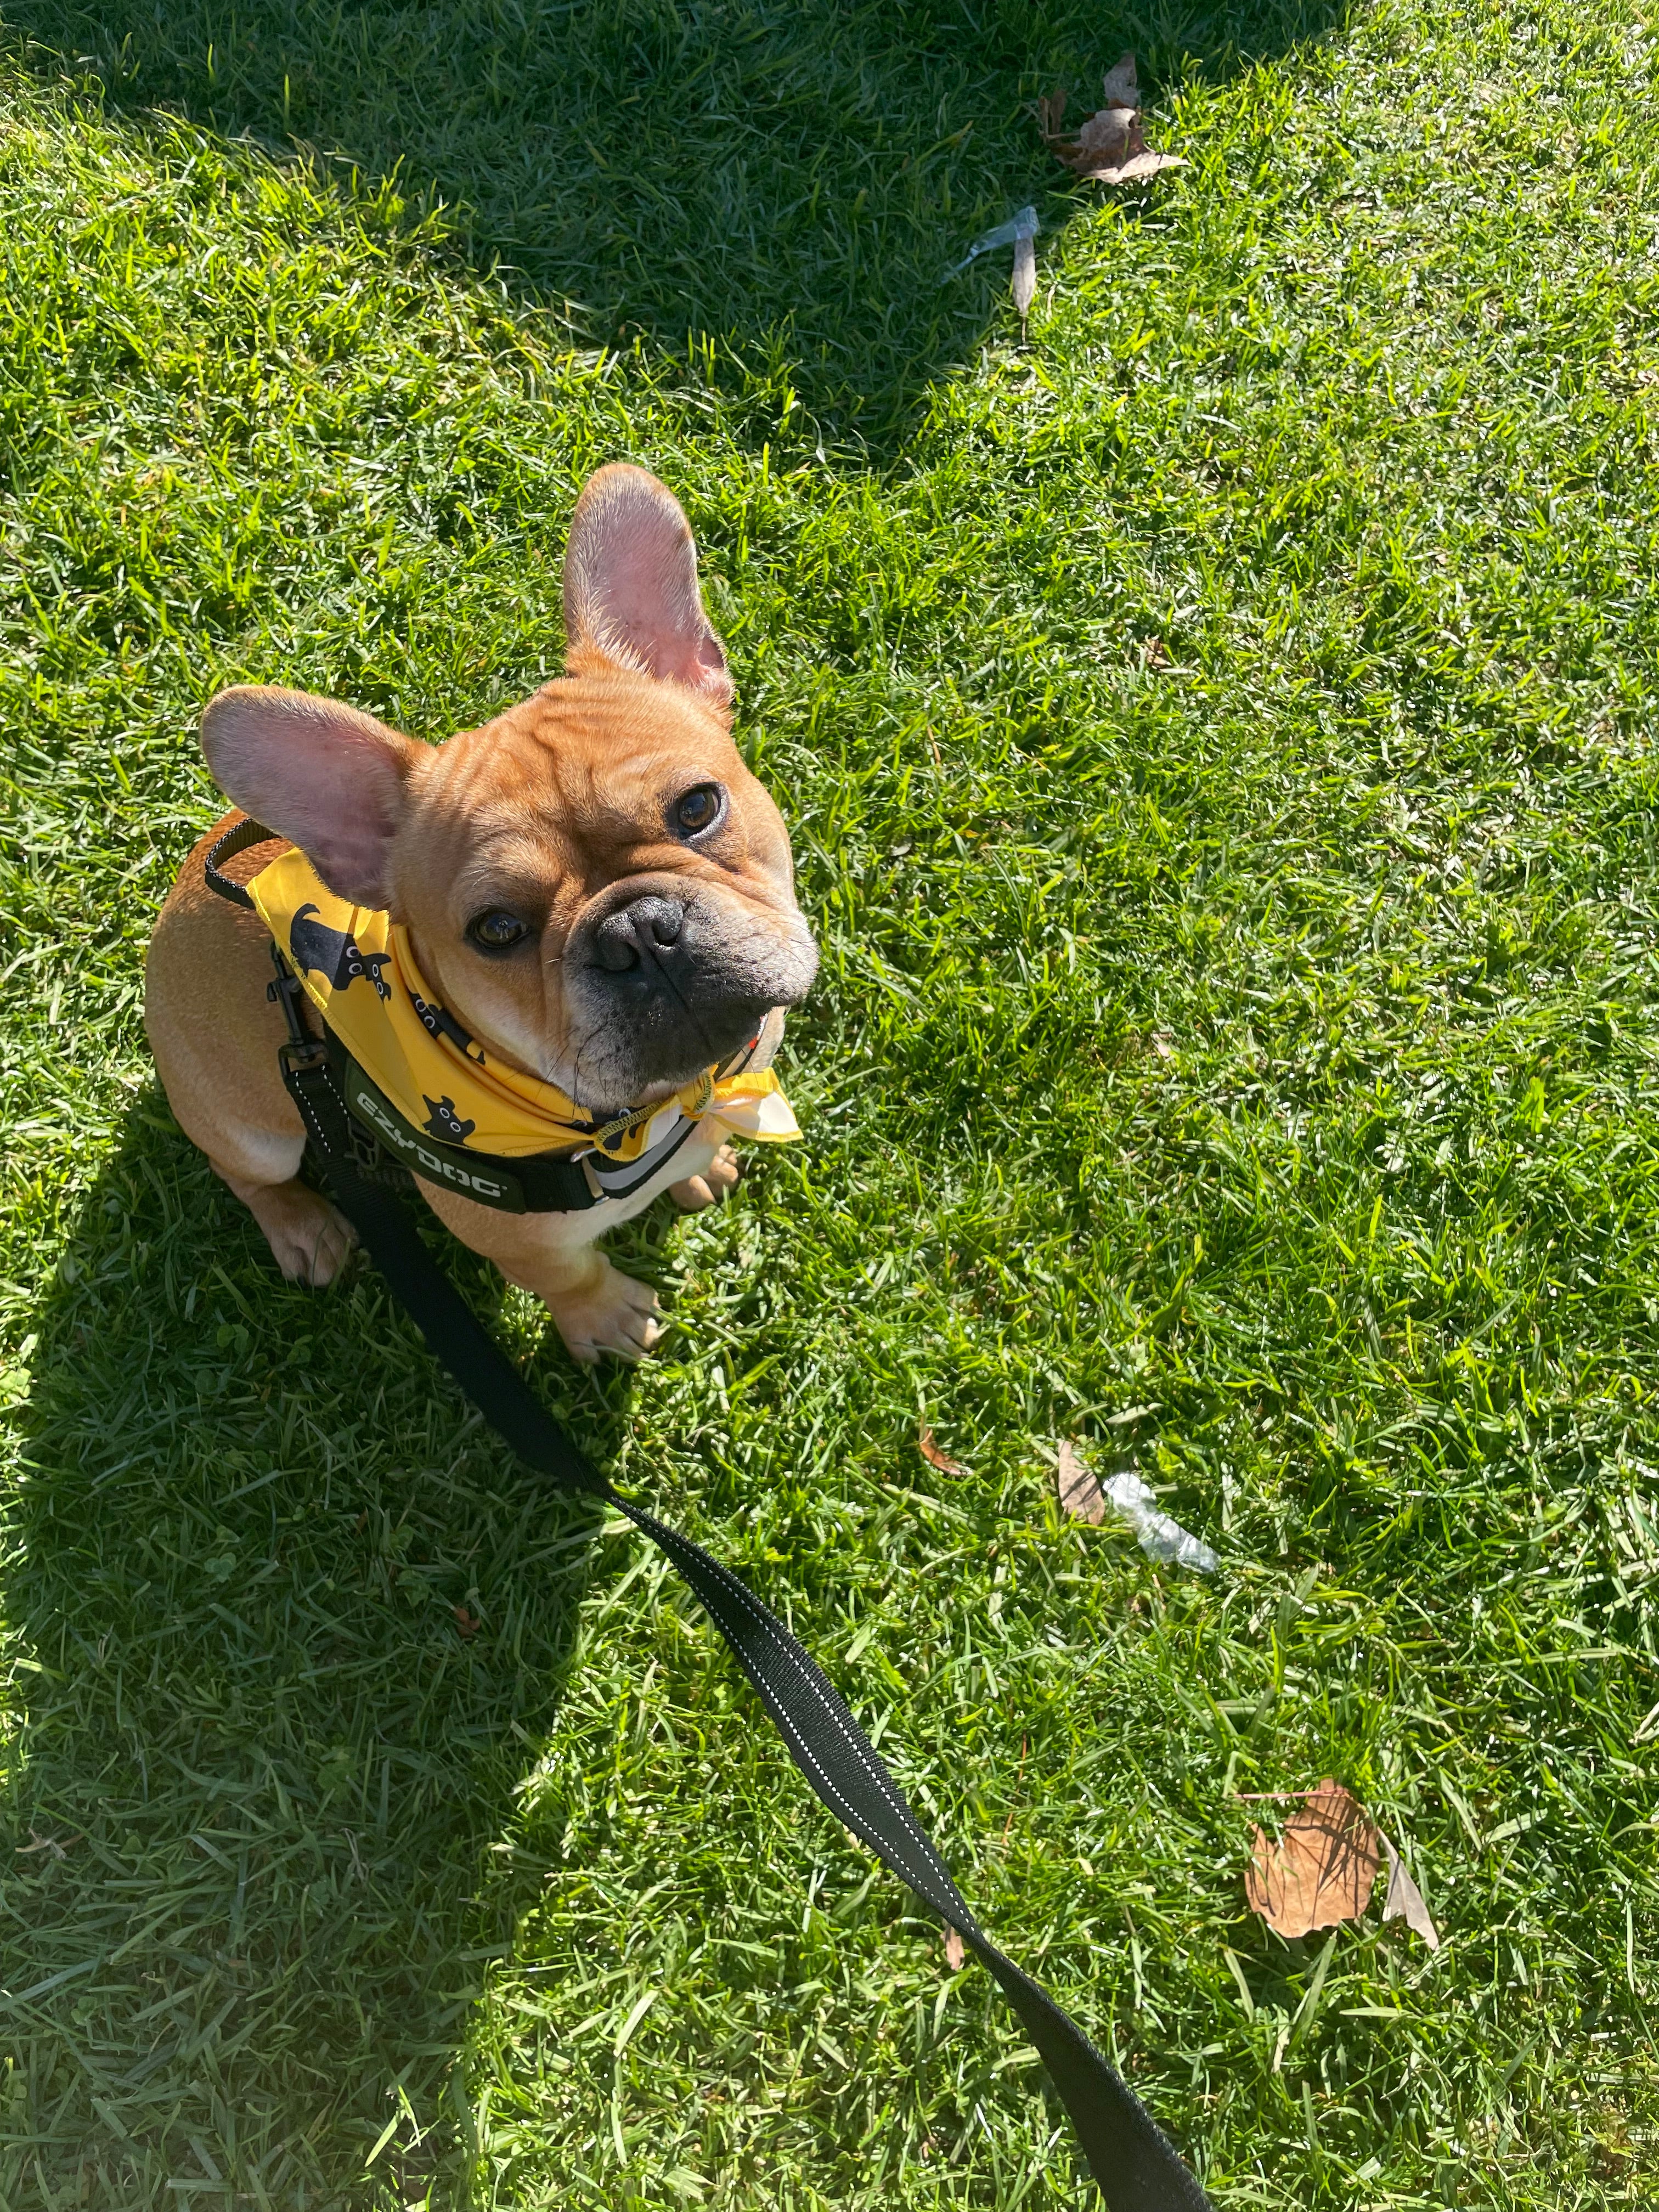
(324, 952)
(439, 1022)
(442, 1119)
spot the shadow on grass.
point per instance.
(264, 1775)
(773, 186)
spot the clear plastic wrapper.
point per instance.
(1161, 1538)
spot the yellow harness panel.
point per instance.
(359, 970)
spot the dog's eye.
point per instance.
(698, 809)
(495, 930)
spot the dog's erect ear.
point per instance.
(630, 587)
(326, 775)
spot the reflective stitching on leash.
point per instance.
(872, 1765)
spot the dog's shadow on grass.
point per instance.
(294, 1628)
(771, 187)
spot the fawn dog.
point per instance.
(550, 956)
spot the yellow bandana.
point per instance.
(359, 970)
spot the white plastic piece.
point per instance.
(1025, 225)
(1161, 1538)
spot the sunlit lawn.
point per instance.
(1216, 737)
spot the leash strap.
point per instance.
(1137, 2168)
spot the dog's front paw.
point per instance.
(611, 1312)
(723, 1173)
(310, 1239)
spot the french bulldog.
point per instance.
(600, 891)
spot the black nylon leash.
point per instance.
(1136, 2166)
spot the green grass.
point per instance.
(1217, 740)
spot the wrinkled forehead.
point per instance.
(584, 762)
(564, 793)
(587, 762)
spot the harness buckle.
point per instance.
(301, 1056)
(301, 1050)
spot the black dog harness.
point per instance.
(1137, 2168)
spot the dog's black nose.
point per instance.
(649, 926)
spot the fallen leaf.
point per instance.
(1322, 1869)
(956, 1951)
(1025, 273)
(1118, 88)
(1080, 1493)
(468, 1623)
(934, 1457)
(1111, 147)
(1112, 135)
(1143, 164)
(1405, 1900)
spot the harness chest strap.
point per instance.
(1136, 2166)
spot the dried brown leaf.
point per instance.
(956, 1951)
(1144, 164)
(934, 1457)
(1119, 89)
(1109, 147)
(1025, 273)
(1111, 136)
(1079, 1492)
(1405, 1900)
(468, 1623)
(1322, 1869)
